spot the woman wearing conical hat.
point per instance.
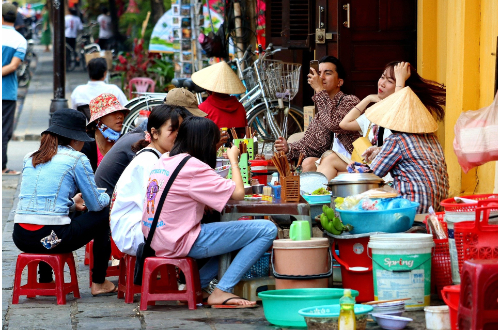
(221, 82)
(395, 77)
(412, 153)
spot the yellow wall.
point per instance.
(456, 39)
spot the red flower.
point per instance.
(122, 59)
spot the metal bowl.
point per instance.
(349, 184)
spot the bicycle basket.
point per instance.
(250, 78)
(270, 72)
(289, 81)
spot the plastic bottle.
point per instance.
(143, 115)
(274, 178)
(347, 319)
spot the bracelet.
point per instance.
(400, 86)
(358, 109)
(235, 164)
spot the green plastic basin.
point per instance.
(281, 307)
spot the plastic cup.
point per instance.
(300, 230)
(101, 190)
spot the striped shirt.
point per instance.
(417, 164)
(318, 137)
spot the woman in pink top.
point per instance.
(180, 233)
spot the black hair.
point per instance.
(338, 66)
(15, 3)
(198, 137)
(73, 12)
(158, 117)
(104, 10)
(9, 17)
(431, 93)
(97, 67)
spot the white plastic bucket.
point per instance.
(437, 317)
(402, 268)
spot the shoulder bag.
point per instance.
(145, 250)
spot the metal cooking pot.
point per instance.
(348, 184)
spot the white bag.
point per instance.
(476, 136)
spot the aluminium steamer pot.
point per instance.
(349, 184)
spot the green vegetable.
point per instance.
(320, 191)
(331, 223)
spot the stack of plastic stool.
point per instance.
(478, 307)
(32, 289)
(247, 287)
(151, 292)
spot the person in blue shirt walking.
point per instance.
(13, 51)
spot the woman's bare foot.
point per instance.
(105, 287)
(218, 297)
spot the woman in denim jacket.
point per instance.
(51, 178)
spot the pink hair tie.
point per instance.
(147, 137)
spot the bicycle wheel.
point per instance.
(146, 104)
(24, 79)
(258, 119)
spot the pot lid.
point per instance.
(348, 178)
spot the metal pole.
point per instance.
(59, 47)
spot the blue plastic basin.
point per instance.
(387, 221)
(318, 199)
(281, 307)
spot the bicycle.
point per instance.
(23, 72)
(265, 113)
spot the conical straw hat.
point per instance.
(403, 112)
(219, 78)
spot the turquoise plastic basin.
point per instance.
(281, 307)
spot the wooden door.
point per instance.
(379, 31)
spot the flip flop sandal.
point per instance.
(11, 172)
(108, 293)
(224, 305)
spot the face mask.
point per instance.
(109, 134)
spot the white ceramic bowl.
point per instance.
(391, 322)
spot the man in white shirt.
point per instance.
(72, 24)
(105, 32)
(97, 69)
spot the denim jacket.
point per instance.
(47, 189)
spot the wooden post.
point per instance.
(237, 26)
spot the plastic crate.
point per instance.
(451, 206)
(441, 275)
(477, 239)
(260, 268)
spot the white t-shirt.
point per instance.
(104, 26)
(83, 94)
(128, 201)
(364, 124)
(73, 24)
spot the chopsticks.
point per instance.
(233, 133)
(281, 162)
(383, 301)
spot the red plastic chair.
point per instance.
(58, 289)
(111, 271)
(478, 307)
(141, 85)
(126, 286)
(151, 292)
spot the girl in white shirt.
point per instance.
(130, 191)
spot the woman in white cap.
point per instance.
(395, 77)
(412, 154)
(106, 120)
(222, 108)
(52, 176)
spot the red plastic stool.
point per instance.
(111, 271)
(478, 307)
(126, 286)
(86, 261)
(151, 292)
(32, 289)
